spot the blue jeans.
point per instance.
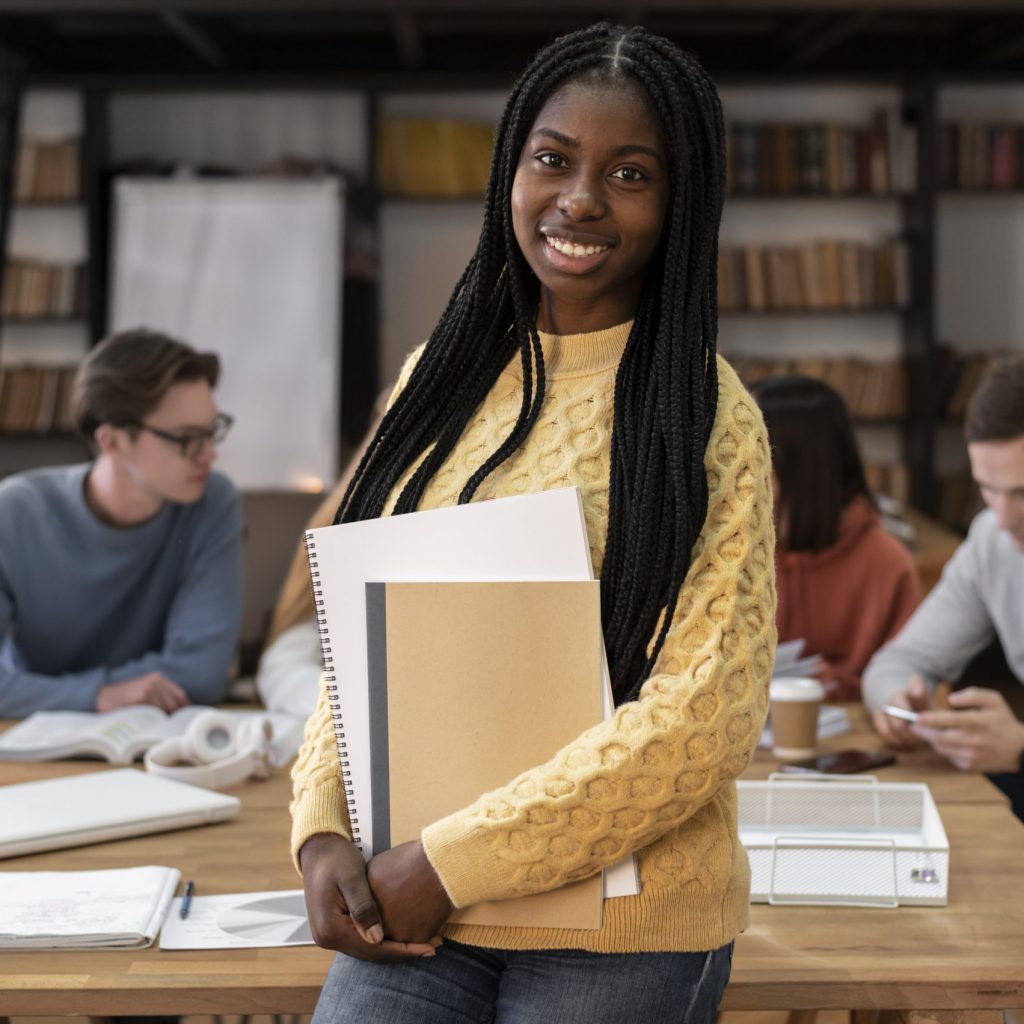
(465, 984)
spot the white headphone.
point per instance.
(217, 750)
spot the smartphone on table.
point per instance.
(842, 762)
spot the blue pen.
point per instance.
(186, 900)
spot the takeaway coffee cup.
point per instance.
(794, 704)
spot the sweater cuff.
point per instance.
(461, 854)
(318, 809)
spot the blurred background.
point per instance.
(296, 184)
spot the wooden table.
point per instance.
(967, 955)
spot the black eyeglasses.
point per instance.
(192, 440)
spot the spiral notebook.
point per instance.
(529, 537)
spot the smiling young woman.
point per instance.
(578, 348)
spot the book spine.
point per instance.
(331, 686)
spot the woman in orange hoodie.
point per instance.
(845, 585)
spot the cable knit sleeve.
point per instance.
(625, 782)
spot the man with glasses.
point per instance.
(120, 579)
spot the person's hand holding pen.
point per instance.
(978, 733)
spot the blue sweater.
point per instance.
(84, 604)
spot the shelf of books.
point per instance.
(815, 262)
(815, 276)
(981, 157)
(823, 158)
(979, 238)
(43, 304)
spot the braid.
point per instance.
(666, 387)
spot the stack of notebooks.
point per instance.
(474, 631)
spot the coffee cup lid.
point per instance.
(795, 688)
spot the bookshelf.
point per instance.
(419, 243)
(978, 248)
(45, 302)
(824, 255)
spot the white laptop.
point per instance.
(78, 809)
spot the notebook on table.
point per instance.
(79, 809)
(121, 908)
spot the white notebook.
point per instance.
(78, 809)
(115, 909)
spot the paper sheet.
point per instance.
(243, 920)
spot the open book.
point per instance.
(123, 735)
(120, 908)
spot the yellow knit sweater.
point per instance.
(657, 778)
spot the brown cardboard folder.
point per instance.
(471, 684)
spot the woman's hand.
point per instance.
(342, 912)
(412, 901)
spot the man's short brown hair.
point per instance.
(126, 375)
(996, 409)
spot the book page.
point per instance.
(123, 735)
(75, 909)
(46, 735)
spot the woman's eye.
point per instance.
(551, 159)
(630, 174)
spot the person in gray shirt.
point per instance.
(980, 596)
(120, 579)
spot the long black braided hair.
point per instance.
(666, 386)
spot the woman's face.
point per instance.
(588, 203)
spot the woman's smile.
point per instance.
(572, 255)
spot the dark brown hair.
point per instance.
(996, 409)
(127, 374)
(815, 457)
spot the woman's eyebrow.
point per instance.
(550, 133)
(636, 148)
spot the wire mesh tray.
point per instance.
(843, 842)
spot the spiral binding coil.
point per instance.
(331, 684)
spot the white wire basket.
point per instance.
(843, 842)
